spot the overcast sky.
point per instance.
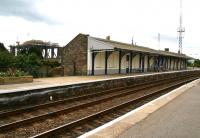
(61, 20)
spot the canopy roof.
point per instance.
(124, 46)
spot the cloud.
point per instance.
(167, 38)
(25, 9)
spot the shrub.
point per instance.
(6, 59)
(3, 74)
(18, 73)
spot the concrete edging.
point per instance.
(123, 123)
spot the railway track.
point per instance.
(79, 127)
(16, 128)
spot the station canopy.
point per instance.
(110, 45)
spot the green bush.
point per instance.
(29, 60)
(6, 59)
(18, 73)
(197, 63)
(3, 74)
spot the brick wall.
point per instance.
(75, 56)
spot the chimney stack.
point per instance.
(18, 43)
(167, 49)
(107, 37)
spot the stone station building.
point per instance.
(87, 55)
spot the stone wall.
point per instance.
(75, 56)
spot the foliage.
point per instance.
(18, 73)
(2, 47)
(31, 50)
(28, 59)
(197, 63)
(29, 63)
(6, 59)
(51, 63)
(3, 74)
(33, 60)
(20, 61)
(34, 42)
(38, 42)
(193, 63)
(189, 64)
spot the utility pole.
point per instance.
(159, 41)
(180, 30)
(132, 41)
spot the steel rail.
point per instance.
(104, 112)
(36, 107)
(76, 107)
(12, 112)
(31, 108)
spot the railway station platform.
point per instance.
(47, 90)
(174, 115)
(59, 81)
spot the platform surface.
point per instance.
(178, 119)
(59, 81)
(174, 115)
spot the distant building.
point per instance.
(87, 55)
(49, 51)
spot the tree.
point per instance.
(189, 64)
(33, 63)
(20, 61)
(33, 60)
(6, 59)
(29, 63)
(30, 50)
(197, 63)
(36, 51)
(39, 42)
(35, 42)
(29, 59)
(2, 47)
